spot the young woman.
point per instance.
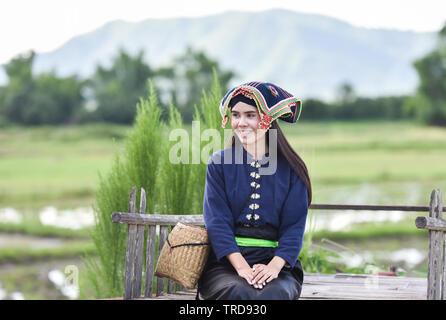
(256, 201)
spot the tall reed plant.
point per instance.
(209, 118)
(171, 188)
(136, 166)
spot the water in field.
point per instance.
(48, 280)
(76, 218)
(406, 254)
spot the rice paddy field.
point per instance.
(49, 174)
(402, 162)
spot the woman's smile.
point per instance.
(244, 132)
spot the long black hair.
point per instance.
(295, 161)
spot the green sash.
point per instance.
(253, 242)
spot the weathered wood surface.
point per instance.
(345, 287)
(130, 251)
(162, 239)
(443, 270)
(197, 219)
(430, 223)
(368, 207)
(150, 260)
(170, 283)
(157, 219)
(435, 252)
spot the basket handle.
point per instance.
(186, 244)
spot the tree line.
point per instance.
(111, 94)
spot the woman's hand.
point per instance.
(264, 274)
(241, 266)
(267, 273)
(246, 273)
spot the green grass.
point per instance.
(59, 165)
(44, 230)
(26, 255)
(55, 165)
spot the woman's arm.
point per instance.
(218, 218)
(241, 266)
(292, 222)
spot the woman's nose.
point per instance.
(242, 121)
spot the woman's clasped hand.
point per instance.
(262, 274)
(259, 275)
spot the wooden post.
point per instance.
(150, 261)
(170, 283)
(181, 287)
(161, 240)
(434, 259)
(130, 250)
(139, 250)
(443, 258)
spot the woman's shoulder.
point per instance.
(218, 156)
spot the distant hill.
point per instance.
(309, 55)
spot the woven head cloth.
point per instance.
(272, 102)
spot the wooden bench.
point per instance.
(315, 286)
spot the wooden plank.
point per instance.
(139, 254)
(197, 219)
(430, 223)
(156, 219)
(368, 207)
(129, 261)
(170, 286)
(345, 287)
(132, 201)
(443, 257)
(130, 250)
(434, 254)
(170, 283)
(179, 295)
(142, 202)
(139, 250)
(181, 287)
(356, 279)
(150, 261)
(161, 240)
(366, 286)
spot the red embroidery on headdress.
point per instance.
(243, 91)
(265, 123)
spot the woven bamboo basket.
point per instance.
(184, 255)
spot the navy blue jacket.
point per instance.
(279, 199)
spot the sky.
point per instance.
(45, 25)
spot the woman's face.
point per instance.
(245, 122)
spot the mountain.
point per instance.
(309, 55)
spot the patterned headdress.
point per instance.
(272, 102)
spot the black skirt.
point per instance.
(220, 281)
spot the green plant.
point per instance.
(137, 166)
(171, 188)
